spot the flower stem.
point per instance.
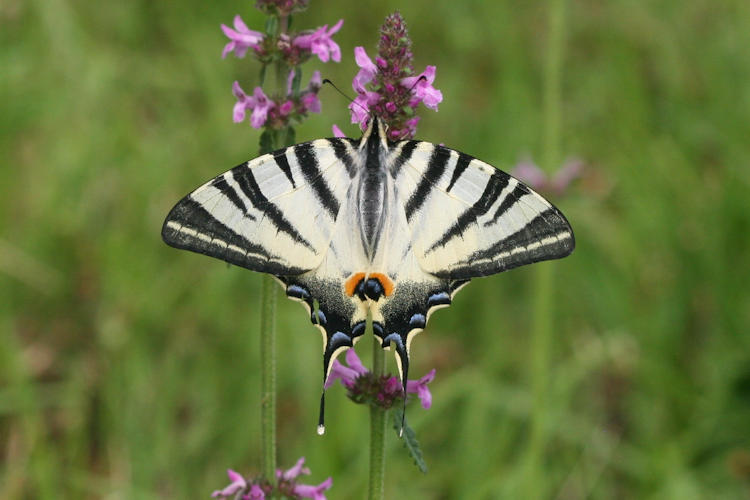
(268, 376)
(268, 329)
(377, 431)
(543, 284)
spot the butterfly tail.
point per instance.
(402, 360)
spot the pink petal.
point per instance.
(314, 492)
(295, 471)
(239, 24)
(311, 102)
(336, 27)
(289, 82)
(238, 113)
(229, 47)
(337, 131)
(237, 91)
(238, 483)
(339, 371)
(315, 81)
(256, 493)
(420, 388)
(355, 363)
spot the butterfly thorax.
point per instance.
(372, 187)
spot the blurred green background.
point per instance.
(129, 369)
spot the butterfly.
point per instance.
(352, 228)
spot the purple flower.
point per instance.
(296, 470)
(420, 388)
(363, 386)
(367, 70)
(360, 107)
(258, 103)
(241, 38)
(314, 492)
(422, 88)
(349, 374)
(556, 183)
(320, 43)
(309, 99)
(237, 483)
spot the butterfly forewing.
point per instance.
(469, 219)
(274, 214)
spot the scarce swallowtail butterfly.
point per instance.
(351, 227)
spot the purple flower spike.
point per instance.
(419, 387)
(314, 492)
(387, 87)
(320, 43)
(423, 89)
(241, 38)
(238, 483)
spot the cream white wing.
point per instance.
(275, 214)
(469, 219)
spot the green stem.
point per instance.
(268, 376)
(543, 283)
(377, 432)
(268, 328)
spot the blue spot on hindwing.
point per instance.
(339, 339)
(298, 292)
(417, 321)
(439, 298)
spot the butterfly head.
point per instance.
(376, 134)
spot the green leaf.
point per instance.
(409, 438)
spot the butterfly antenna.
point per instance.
(351, 101)
(420, 79)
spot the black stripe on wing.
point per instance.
(189, 226)
(460, 168)
(342, 147)
(283, 163)
(508, 202)
(404, 155)
(246, 180)
(495, 185)
(513, 251)
(308, 163)
(435, 169)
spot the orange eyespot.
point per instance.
(351, 284)
(384, 280)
